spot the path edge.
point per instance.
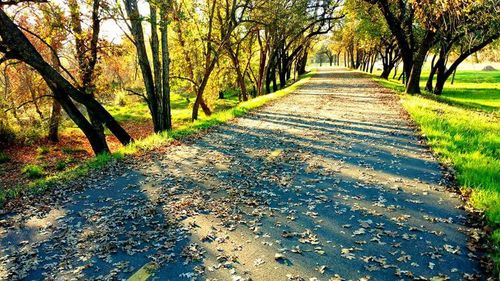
(12, 196)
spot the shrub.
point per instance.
(42, 150)
(120, 99)
(7, 135)
(3, 157)
(33, 171)
(61, 165)
(29, 135)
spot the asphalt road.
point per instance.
(330, 182)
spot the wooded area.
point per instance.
(409, 33)
(212, 42)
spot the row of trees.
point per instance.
(409, 31)
(55, 56)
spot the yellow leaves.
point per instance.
(434, 14)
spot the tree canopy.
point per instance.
(201, 49)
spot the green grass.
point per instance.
(138, 112)
(181, 109)
(33, 171)
(463, 128)
(151, 142)
(472, 90)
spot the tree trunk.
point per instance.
(453, 77)
(97, 143)
(351, 55)
(157, 71)
(395, 71)
(262, 65)
(243, 87)
(86, 53)
(166, 110)
(62, 89)
(55, 115)
(413, 84)
(282, 68)
(374, 59)
(440, 80)
(430, 79)
(301, 65)
(199, 95)
(240, 78)
(55, 118)
(197, 103)
(147, 76)
(387, 68)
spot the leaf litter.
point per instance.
(316, 205)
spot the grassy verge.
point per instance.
(149, 143)
(462, 127)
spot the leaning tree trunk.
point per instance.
(97, 143)
(63, 91)
(413, 83)
(196, 106)
(301, 64)
(440, 81)
(199, 101)
(86, 54)
(430, 79)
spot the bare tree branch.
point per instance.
(135, 93)
(15, 2)
(28, 102)
(187, 79)
(54, 52)
(7, 56)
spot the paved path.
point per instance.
(329, 183)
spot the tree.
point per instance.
(326, 49)
(470, 27)
(214, 23)
(234, 50)
(389, 53)
(86, 49)
(299, 21)
(413, 23)
(156, 79)
(374, 35)
(15, 45)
